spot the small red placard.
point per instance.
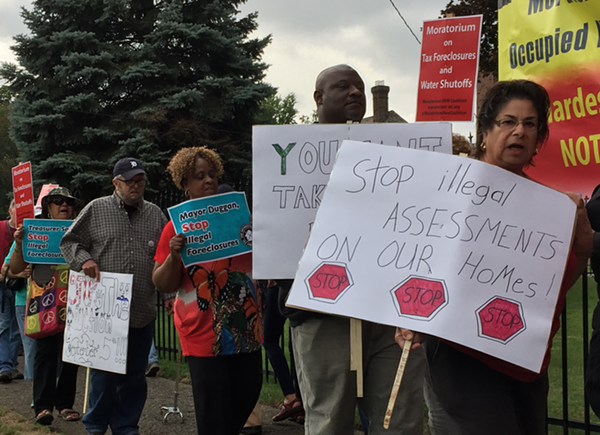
(448, 75)
(23, 191)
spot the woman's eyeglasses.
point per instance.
(531, 125)
(59, 200)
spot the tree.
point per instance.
(8, 153)
(310, 119)
(101, 80)
(488, 60)
(277, 110)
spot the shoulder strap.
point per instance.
(9, 231)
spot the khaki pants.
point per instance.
(328, 387)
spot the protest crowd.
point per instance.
(224, 316)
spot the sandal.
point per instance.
(289, 410)
(44, 417)
(69, 414)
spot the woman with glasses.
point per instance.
(482, 394)
(54, 382)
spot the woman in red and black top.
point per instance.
(217, 311)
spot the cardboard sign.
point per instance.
(439, 244)
(23, 192)
(98, 321)
(448, 74)
(556, 44)
(214, 227)
(41, 241)
(290, 168)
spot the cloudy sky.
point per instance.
(310, 35)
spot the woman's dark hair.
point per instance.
(501, 94)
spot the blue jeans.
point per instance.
(115, 400)
(152, 356)
(29, 345)
(9, 332)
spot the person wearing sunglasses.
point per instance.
(119, 233)
(54, 382)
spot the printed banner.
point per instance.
(448, 74)
(290, 169)
(468, 252)
(557, 45)
(98, 321)
(23, 191)
(214, 227)
(41, 241)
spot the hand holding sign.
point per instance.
(91, 269)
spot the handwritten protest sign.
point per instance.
(214, 227)
(23, 191)
(440, 244)
(41, 241)
(98, 321)
(448, 74)
(291, 167)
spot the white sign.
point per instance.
(98, 321)
(291, 167)
(440, 244)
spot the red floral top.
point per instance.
(217, 310)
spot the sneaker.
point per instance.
(152, 370)
(5, 377)
(17, 375)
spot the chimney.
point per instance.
(380, 101)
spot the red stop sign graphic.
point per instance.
(329, 282)
(500, 319)
(420, 298)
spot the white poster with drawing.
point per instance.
(440, 244)
(98, 321)
(290, 169)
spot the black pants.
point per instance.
(225, 389)
(273, 323)
(481, 400)
(47, 392)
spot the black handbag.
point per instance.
(15, 283)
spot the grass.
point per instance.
(15, 424)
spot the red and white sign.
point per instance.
(23, 191)
(448, 76)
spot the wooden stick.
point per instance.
(356, 362)
(86, 393)
(397, 382)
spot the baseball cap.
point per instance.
(128, 168)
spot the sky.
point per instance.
(311, 35)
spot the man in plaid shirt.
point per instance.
(119, 234)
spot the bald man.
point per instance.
(322, 342)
